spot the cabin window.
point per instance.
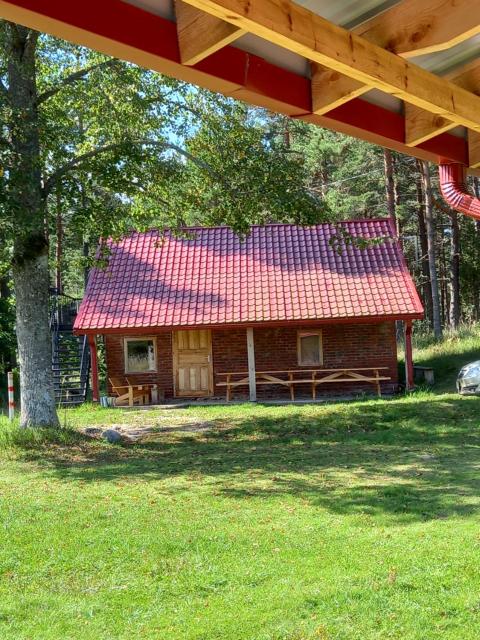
(309, 348)
(140, 355)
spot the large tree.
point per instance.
(104, 146)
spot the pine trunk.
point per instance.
(476, 292)
(30, 252)
(422, 230)
(455, 309)
(430, 228)
(390, 186)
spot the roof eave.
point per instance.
(144, 330)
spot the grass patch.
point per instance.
(13, 437)
(353, 520)
(346, 521)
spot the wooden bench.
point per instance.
(313, 377)
(128, 393)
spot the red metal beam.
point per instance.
(124, 31)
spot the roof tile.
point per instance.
(279, 272)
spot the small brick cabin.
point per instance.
(288, 310)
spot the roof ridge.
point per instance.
(262, 226)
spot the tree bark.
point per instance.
(476, 293)
(390, 189)
(455, 308)
(34, 343)
(430, 228)
(30, 252)
(422, 229)
(59, 245)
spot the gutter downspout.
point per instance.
(454, 189)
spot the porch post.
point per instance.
(409, 384)
(252, 384)
(94, 364)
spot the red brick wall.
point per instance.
(163, 377)
(344, 345)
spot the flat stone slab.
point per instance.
(125, 433)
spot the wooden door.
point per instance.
(192, 363)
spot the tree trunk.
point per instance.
(476, 293)
(34, 343)
(30, 251)
(390, 186)
(59, 246)
(455, 309)
(430, 227)
(422, 230)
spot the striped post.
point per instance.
(11, 400)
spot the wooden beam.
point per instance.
(412, 28)
(474, 149)
(293, 27)
(252, 380)
(407, 29)
(201, 34)
(421, 125)
(151, 41)
(330, 89)
(466, 76)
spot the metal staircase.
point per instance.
(70, 353)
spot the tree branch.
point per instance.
(72, 78)
(88, 155)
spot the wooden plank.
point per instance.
(297, 29)
(244, 373)
(466, 76)
(252, 382)
(412, 28)
(421, 125)
(200, 34)
(322, 380)
(474, 149)
(331, 89)
(408, 28)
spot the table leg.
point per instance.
(377, 384)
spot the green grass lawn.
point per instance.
(345, 521)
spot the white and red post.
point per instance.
(11, 399)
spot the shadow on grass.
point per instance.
(415, 459)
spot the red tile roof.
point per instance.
(279, 273)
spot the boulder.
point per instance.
(112, 436)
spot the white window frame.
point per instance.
(140, 339)
(305, 334)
